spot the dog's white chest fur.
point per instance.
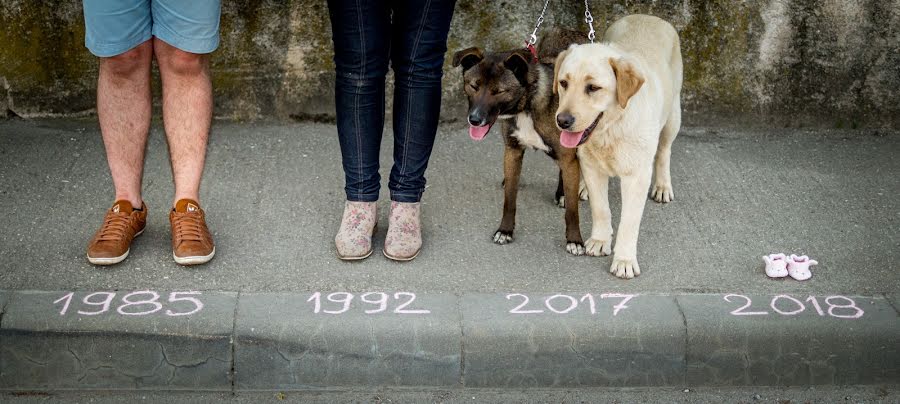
(526, 135)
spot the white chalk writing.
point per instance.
(139, 303)
(378, 300)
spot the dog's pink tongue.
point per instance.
(570, 139)
(478, 132)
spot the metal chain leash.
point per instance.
(588, 18)
(533, 38)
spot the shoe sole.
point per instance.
(113, 260)
(194, 260)
(399, 259)
(361, 257)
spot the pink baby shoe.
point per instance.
(776, 265)
(798, 267)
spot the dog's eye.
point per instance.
(498, 91)
(563, 84)
(591, 88)
(473, 87)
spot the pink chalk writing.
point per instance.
(739, 311)
(564, 304)
(785, 305)
(140, 303)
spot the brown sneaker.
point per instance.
(191, 242)
(121, 225)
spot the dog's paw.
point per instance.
(663, 193)
(503, 237)
(598, 248)
(561, 201)
(625, 268)
(575, 248)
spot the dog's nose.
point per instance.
(476, 118)
(565, 120)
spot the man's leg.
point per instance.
(187, 113)
(184, 33)
(123, 107)
(118, 32)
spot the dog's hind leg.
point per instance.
(560, 196)
(662, 185)
(512, 168)
(571, 176)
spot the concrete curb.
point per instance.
(148, 340)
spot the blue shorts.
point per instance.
(113, 27)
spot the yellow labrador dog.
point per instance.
(620, 104)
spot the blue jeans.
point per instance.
(369, 35)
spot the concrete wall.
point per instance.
(835, 62)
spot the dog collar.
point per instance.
(531, 48)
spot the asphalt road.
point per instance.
(274, 195)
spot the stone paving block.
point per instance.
(777, 341)
(50, 342)
(565, 346)
(282, 343)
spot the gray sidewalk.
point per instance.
(276, 310)
(274, 194)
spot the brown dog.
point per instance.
(518, 91)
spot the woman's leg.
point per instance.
(360, 31)
(361, 35)
(419, 42)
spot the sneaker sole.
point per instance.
(113, 260)
(194, 260)
(399, 259)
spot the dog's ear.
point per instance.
(628, 80)
(517, 62)
(468, 58)
(559, 60)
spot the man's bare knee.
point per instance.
(181, 63)
(129, 63)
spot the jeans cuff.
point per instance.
(355, 197)
(406, 197)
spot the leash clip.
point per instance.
(589, 20)
(532, 39)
